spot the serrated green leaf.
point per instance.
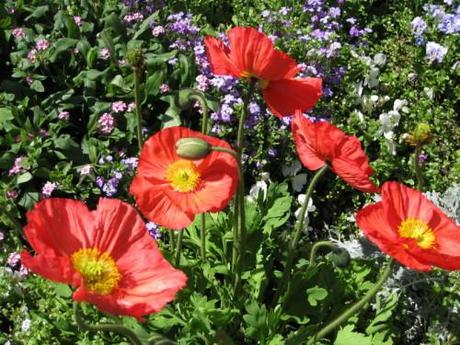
(346, 336)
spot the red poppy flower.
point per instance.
(251, 54)
(170, 190)
(408, 227)
(320, 142)
(107, 254)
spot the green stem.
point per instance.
(105, 327)
(355, 307)
(137, 96)
(236, 209)
(418, 168)
(316, 247)
(204, 129)
(296, 236)
(240, 191)
(178, 247)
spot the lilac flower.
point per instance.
(153, 230)
(133, 17)
(119, 107)
(226, 113)
(100, 181)
(435, 52)
(265, 13)
(158, 30)
(449, 24)
(13, 259)
(434, 10)
(104, 54)
(130, 162)
(110, 188)
(164, 88)
(203, 82)
(422, 158)
(42, 44)
(333, 49)
(418, 26)
(63, 115)
(106, 123)
(284, 11)
(48, 188)
(17, 166)
(19, 33)
(334, 12)
(254, 108)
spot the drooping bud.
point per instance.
(192, 148)
(340, 257)
(135, 57)
(420, 135)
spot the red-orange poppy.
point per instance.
(170, 190)
(318, 143)
(408, 227)
(251, 54)
(107, 254)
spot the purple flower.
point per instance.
(110, 188)
(203, 82)
(106, 123)
(100, 181)
(130, 162)
(435, 52)
(48, 189)
(32, 55)
(334, 12)
(449, 24)
(12, 194)
(422, 158)
(254, 108)
(284, 11)
(153, 230)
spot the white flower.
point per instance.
(25, 325)
(260, 186)
(298, 182)
(292, 169)
(372, 79)
(380, 59)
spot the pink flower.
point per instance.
(17, 166)
(131, 107)
(104, 54)
(12, 194)
(157, 31)
(63, 115)
(29, 80)
(119, 107)
(48, 188)
(106, 123)
(13, 259)
(42, 44)
(164, 88)
(19, 33)
(32, 55)
(77, 20)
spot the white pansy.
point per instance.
(380, 59)
(291, 170)
(298, 182)
(259, 187)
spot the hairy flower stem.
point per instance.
(105, 327)
(296, 236)
(137, 100)
(355, 307)
(236, 210)
(204, 130)
(180, 235)
(418, 168)
(316, 247)
(240, 193)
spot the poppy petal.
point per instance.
(218, 56)
(285, 96)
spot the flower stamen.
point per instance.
(183, 176)
(418, 231)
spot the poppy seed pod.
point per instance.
(192, 148)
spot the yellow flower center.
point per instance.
(419, 231)
(183, 176)
(99, 270)
(263, 83)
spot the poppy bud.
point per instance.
(192, 148)
(420, 135)
(135, 57)
(340, 257)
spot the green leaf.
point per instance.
(316, 294)
(152, 85)
(145, 25)
(346, 336)
(38, 12)
(62, 290)
(5, 115)
(37, 86)
(23, 178)
(60, 46)
(278, 214)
